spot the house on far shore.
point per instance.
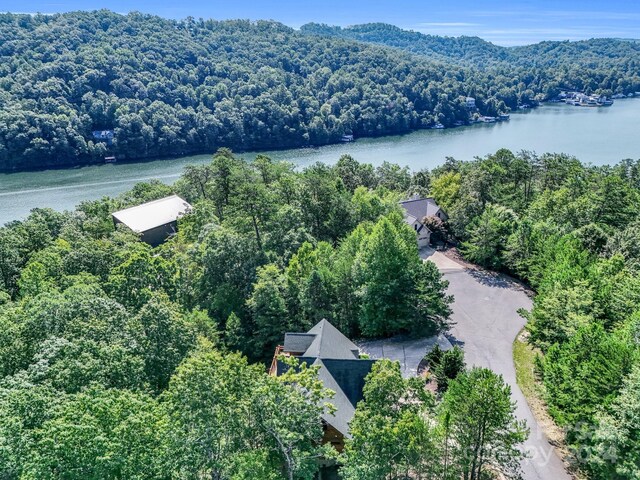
(470, 102)
(415, 210)
(155, 221)
(341, 370)
(103, 136)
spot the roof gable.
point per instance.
(420, 207)
(341, 369)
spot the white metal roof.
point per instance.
(153, 214)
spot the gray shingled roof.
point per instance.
(322, 341)
(341, 369)
(298, 342)
(329, 342)
(344, 409)
(346, 379)
(419, 208)
(349, 375)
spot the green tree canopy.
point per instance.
(481, 427)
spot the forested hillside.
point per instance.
(571, 232)
(600, 65)
(104, 339)
(167, 87)
(464, 49)
(175, 87)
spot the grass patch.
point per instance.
(524, 356)
(524, 360)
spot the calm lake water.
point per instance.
(594, 135)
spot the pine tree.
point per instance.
(482, 426)
(269, 310)
(450, 365)
(235, 336)
(317, 298)
(386, 266)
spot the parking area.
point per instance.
(408, 351)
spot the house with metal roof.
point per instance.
(155, 221)
(415, 211)
(341, 370)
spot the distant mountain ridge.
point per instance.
(477, 51)
(444, 48)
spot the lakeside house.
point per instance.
(580, 99)
(103, 136)
(470, 102)
(416, 209)
(341, 370)
(155, 221)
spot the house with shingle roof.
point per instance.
(415, 210)
(341, 370)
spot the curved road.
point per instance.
(486, 324)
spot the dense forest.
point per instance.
(600, 65)
(169, 88)
(165, 87)
(122, 360)
(571, 232)
(118, 360)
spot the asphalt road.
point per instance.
(486, 324)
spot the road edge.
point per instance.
(524, 363)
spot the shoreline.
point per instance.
(245, 151)
(248, 151)
(594, 136)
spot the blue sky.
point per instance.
(505, 22)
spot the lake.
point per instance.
(599, 136)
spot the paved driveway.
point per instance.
(486, 323)
(408, 351)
